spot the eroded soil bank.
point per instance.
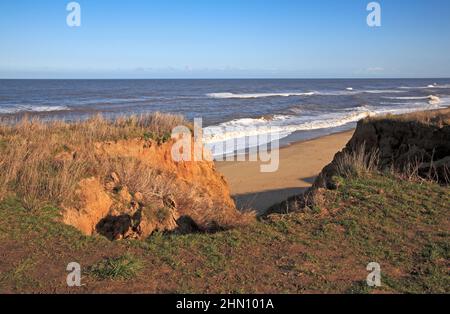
(150, 192)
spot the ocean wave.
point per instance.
(408, 98)
(297, 110)
(19, 109)
(382, 91)
(430, 86)
(283, 124)
(240, 134)
(240, 131)
(256, 95)
(432, 100)
(352, 91)
(346, 92)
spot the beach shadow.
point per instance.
(261, 201)
(309, 180)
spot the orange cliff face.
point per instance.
(146, 191)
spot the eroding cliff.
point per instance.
(146, 191)
(114, 177)
(415, 144)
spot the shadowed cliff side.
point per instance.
(415, 145)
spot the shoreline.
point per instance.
(299, 164)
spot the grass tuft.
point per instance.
(118, 268)
(356, 162)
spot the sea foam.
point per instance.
(244, 131)
(256, 95)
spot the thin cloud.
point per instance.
(375, 69)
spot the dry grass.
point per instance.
(360, 161)
(42, 162)
(356, 162)
(139, 177)
(420, 169)
(439, 117)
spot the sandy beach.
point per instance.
(299, 165)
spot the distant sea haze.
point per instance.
(294, 109)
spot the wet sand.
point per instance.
(299, 165)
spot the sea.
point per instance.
(287, 110)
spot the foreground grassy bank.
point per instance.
(372, 217)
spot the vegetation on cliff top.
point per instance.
(42, 162)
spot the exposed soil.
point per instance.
(107, 206)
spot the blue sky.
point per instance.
(224, 39)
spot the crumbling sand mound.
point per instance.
(146, 191)
(114, 177)
(93, 204)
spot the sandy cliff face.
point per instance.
(147, 191)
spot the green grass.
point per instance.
(159, 138)
(3, 144)
(118, 268)
(19, 275)
(38, 226)
(402, 225)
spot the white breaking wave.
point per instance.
(347, 91)
(350, 91)
(46, 108)
(408, 98)
(248, 132)
(256, 95)
(444, 86)
(432, 100)
(240, 134)
(279, 124)
(32, 109)
(382, 91)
